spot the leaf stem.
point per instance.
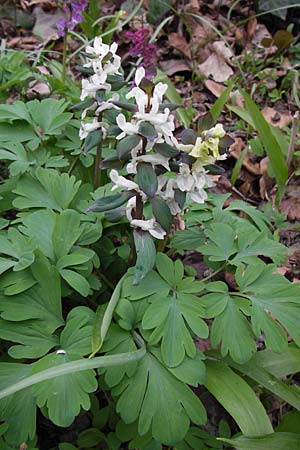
(214, 273)
(72, 166)
(293, 139)
(64, 60)
(97, 170)
(72, 367)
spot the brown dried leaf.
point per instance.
(290, 205)
(214, 88)
(235, 151)
(217, 63)
(180, 43)
(276, 118)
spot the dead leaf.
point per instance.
(290, 205)
(235, 151)
(251, 28)
(214, 88)
(276, 118)
(45, 23)
(38, 89)
(217, 65)
(180, 44)
(172, 66)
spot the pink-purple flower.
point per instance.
(73, 10)
(141, 47)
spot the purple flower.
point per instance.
(73, 10)
(141, 47)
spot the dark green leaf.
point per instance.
(205, 122)
(166, 150)
(146, 254)
(274, 441)
(92, 140)
(161, 212)
(127, 144)
(188, 136)
(147, 179)
(147, 130)
(110, 202)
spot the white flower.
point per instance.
(122, 182)
(151, 226)
(128, 128)
(185, 181)
(198, 196)
(131, 205)
(89, 88)
(87, 127)
(139, 75)
(108, 104)
(154, 159)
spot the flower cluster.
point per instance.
(162, 173)
(103, 62)
(141, 47)
(73, 10)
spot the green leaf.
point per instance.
(147, 130)
(110, 202)
(92, 140)
(66, 394)
(270, 144)
(188, 136)
(126, 144)
(189, 239)
(161, 212)
(165, 407)
(253, 370)
(19, 410)
(279, 364)
(236, 396)
(146, 254)
(42, 301)
(219, 104)
(76, 281)
(48, 189)
(66, 232)
(166, 150)
(274, 441)
(172, 317)
(75, 338)
(147, 179)
(35, 339)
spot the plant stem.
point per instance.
(72, 166)
(64, 61)
(293, 139)
(97, 170)
(214, 273)
(162, 244)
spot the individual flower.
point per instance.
(152, 158)
(185, 180)
(151, 226)
(87, 127)
(128, 128)
(122, 182)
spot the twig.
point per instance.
(293, 139)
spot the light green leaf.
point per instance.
(66, 394)
(274, 441)
(172, 317)
(146, 253)
(19, 410)
(236, 396)
(47, 189)
(75, 338)
(165, 407)
(66, 232)
(76, 281)
(34, 338)
(279, 364)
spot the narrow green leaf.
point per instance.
(274, 441)
(110, 202)
(270, 143)
(219, 104)
(146, 254)
(205, 122)
(236, 396)
(147, 179)
(161, 212)
(280, 364)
